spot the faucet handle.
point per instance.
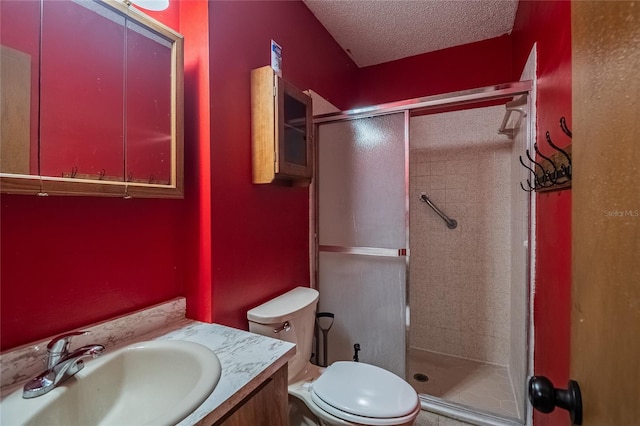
(59, 346)
(61, 342)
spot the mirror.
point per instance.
(91, 100)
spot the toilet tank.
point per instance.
(296, 307)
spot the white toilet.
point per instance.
(345, 393)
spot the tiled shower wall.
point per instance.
(460, 279)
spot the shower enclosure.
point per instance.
(442, 304)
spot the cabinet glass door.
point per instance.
(295, 131)
(148, 130)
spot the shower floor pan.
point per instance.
(471, 383)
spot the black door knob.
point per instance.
(545, 398)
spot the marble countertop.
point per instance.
(247, 359)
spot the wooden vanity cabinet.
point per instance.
(281, 130)
(267, 405)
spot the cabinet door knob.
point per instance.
(545, 398)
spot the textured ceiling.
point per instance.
(376, 31)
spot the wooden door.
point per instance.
(605, 331)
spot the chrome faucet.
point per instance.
(60, 364)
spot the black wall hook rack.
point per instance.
(552, 172)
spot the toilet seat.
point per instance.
(369, 421)
(365, 394)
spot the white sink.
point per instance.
(149, 383)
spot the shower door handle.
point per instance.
(545, 397)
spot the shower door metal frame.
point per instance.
(462, 97)
(363, 251)
(427, 103)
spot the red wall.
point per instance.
(260, 232)
(479, 64)
(549, 25)
(197, 131)
(67, 261)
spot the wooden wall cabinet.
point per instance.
(281, 130)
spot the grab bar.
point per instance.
(365, 251)
(451, 223)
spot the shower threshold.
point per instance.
(464, 414)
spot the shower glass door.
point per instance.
(362, 237)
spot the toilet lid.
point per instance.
(364, 390)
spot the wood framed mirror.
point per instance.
(92, 100)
